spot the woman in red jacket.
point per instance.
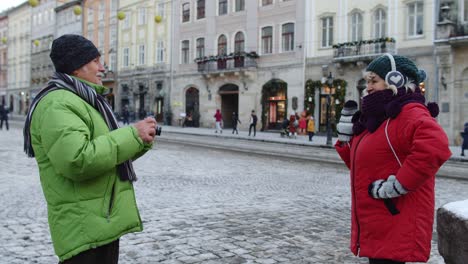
(393, 148)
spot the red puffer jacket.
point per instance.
(422, 147)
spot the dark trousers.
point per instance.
(311, 135)
(234, 129)
(106, 254)
(384, 261)
(6, 124)
(254, 126)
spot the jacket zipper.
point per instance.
(111, 203)
(354, 195)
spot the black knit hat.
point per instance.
(70, 52)
(381, 66)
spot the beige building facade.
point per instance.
(238, 56)
(3, 57)
(343, 36)
(144, 58)
(19, 58)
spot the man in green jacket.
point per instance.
(84, 158)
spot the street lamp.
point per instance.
(330, 85)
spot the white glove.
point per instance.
(384, 189)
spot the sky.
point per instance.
(5, 4)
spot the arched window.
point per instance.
(239, 42)
(222, 45)
(356, 27)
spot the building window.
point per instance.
(222, 45)
(356, 27)
(267, 40)
(465, 10)
(200, 9)
(185, 51)
(186, 12)
(415, 19)
(380, 23)
(102, 10)
(160, 52)
(200, 47)
(222, 7)
(161, 8)
(126, 57)
(141, 16)
(327, 32)
(126, 22)
(287, 37)
(267, 2)
(240, 5)
(141, 54)
(239, 42)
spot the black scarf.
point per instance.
(87, 93)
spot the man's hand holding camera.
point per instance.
(146, 129)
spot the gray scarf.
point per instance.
(87, 93)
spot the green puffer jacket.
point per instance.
(88, 205)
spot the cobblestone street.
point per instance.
(202, 205)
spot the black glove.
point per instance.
(345, 126)
(384, 189)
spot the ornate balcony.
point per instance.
(363, 50)
(233, 62)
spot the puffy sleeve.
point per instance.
(344, 151)
(428, 150)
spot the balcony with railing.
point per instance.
(363, 50)
(227, 63)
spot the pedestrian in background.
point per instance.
(253, 123)
(218, 121)
(125, 115)
(311, 127)
(465, 140)
(293, 123)
(84, 158)
(394, 151)
(4, 117)
(303, 123)
(235, 120)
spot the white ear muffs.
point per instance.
(394, 77)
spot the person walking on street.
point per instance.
(84, 158)
(4, 116)
(219, 120)
(311, 127)
(253, 123)
(125, 115)
(235, 120)
(293, 124)
(465, 139)
(393, 148)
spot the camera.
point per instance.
(158, 130)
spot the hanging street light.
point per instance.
(157, 19)
(77, 10)
(33, 3)
(120, 15)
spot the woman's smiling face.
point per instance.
(375, 83)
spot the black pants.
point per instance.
(311, 135)
(254, 128)
(6, 123)
(384, 261)
(106, 254)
